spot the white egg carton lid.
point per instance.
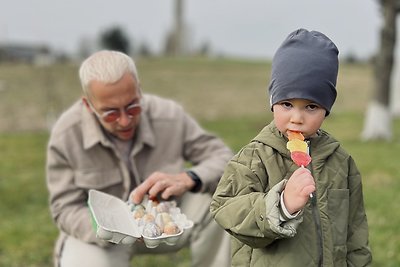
(112, 218)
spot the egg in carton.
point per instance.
(159, 221)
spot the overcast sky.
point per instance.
(244, 28)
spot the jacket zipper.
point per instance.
(316, 217)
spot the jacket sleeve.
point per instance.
(245, 209)
(67, 202)
(358, 251)
(206, 152)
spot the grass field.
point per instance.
(228, 97)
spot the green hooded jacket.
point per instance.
(332, 228)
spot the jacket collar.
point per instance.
(145, 134)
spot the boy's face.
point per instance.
(299, 115)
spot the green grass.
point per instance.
(26, 230)
(229, 99)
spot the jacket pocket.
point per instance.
(338, 209)
(97, 179)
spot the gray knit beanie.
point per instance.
(305, 66)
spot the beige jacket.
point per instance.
(80, 157)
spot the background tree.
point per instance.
(378, 120)
(85, 47)
(144, 50)
(115, 38)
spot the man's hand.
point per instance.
(166, 184)
(298, 189)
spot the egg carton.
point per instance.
(114, 220)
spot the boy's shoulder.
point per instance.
(266, 143)
(270, 136)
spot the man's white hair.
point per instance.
(105, 66)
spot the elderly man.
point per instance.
(117, 139)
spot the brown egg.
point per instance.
(171, 228)
(148, 217)
(139, 213)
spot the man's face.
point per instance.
(116, 97)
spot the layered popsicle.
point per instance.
(298, 149)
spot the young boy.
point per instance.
(280, 214)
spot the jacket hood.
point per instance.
(321, 146)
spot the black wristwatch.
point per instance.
(196, 180)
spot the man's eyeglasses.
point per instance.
(114, 115)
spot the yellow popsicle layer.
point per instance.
(297, 145)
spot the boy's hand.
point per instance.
(298, 189)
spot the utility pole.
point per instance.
(179, 27)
